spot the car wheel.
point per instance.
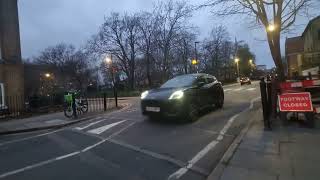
(192, 114)
(220, 102)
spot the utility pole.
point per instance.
(110, 63)
(196, 55)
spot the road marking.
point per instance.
(210, 146)
(147, 152)
(28, 138)
(238, 89)
(251, 89)
(127, 105)
(104, 128)
(159, 156)
(89, 125)
(63, 156)
(226, 90)
(38, 135)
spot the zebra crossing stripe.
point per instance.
(104, 128)
(84, 127)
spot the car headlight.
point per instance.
(176, 95)
(144, 94)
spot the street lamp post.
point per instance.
(196, 55)
(110, 63)
(251, 66)
(238, 68)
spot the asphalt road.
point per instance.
(126, 145)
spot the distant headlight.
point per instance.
(176, 95)
(144, 94)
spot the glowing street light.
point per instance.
(271, 28)
(236, 60)
(251, 61)
(47, 75)
(194, 62)
(108, 60)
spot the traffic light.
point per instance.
(194, 62)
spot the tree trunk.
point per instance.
(225, 69)
(274, 45)
(132, 74)
(148, 70)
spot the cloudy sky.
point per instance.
(48, 22)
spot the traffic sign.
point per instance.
(295, 102)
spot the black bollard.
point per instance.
(264, 101)
(269, 97)
(104, 101)
(74, 108)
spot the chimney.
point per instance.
(9, 32)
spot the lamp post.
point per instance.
(251, 66)
(236, 60)
(109, 63)
(196, 56)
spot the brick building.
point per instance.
(11, 67)
(303, 52)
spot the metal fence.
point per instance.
(20, 106)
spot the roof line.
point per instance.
(309, 24)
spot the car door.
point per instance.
(216, 90)
(203, 91)
(210, 94)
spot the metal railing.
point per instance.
(20, 106)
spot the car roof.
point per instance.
(200, 74)
(196, 75)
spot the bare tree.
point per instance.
(119, 36)
(213, 46)
(148, 25)
(172, 16)
(73, 66)
(275, 16)
(183, 45)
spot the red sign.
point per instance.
(295, 102)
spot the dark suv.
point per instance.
(183, 96)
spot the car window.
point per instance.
(201, 79)
(180, 81)
(210, 79)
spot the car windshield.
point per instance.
(179, 81)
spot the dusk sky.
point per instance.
(45, 23)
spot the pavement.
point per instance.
(126, 145)
(284, 153)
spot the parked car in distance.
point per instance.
(183, 97)
(245, 80)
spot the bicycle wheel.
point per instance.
(84, 105)
(68, 111)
